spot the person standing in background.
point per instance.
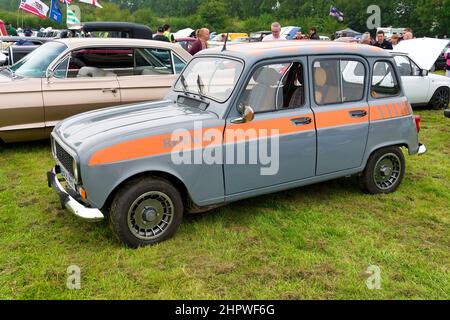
(313, 34)
(366, 39)
(202, 41)
(276, 34)
(447, 66)
(168, 33)
(159, 36)
(382, 42)
(10, 29)
(395, 39)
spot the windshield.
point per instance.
(214, 78)
(35, 64)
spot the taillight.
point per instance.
(417, 119)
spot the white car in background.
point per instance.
(415, 58)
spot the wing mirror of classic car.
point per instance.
(49, 75)
(247, 115)
(3, 59)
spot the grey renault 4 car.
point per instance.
(240, 122)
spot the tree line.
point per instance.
(425, 17)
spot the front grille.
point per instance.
(64, 158)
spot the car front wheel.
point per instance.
(146, 211)
(384, 171)
(440, 99)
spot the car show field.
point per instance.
(315, 242)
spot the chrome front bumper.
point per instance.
(68, 202)
(422, 149)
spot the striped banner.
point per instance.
(72, 19)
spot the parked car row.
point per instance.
(69, 76)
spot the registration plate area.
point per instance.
(70, 182)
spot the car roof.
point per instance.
(266, 50)
(115, 26)
(120, 42)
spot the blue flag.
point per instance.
(55, 11)
(334, 12)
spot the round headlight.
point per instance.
(75, 170)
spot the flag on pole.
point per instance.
(35, 7)
(93, 2)
(72, 19)
(334, 12)
(55, 11)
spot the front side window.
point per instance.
(274, 87)
(104, 62)
(384, 81)
(338, 81)
(96, 62)
(36, 63)
(214, 78)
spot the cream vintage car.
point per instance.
(70, 76)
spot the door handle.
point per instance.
(301, 121)
(358, 113)
(113, 90)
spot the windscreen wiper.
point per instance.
(201, 87)
(184, 84)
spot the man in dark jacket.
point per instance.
(313, 34)
(159, 36)
(382, 42)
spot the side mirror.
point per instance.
(3, 59)
(49, 74)
(424, 73)
(247, 115)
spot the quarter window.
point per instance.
(384, 81)
(338, 81)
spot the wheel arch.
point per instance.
(174, 180)
(402, 144)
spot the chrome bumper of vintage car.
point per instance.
(422, 149)
(68, 202)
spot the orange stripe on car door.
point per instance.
(338, 118)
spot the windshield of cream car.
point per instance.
(36, 63)
(214, 78)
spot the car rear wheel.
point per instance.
(384, 172)
(146, 211)
(440, 99)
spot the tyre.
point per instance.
(384, 171)
(146, 211)
(440, 99)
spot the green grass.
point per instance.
(314, 242)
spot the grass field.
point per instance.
(309, 243)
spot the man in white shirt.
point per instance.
(276, 34)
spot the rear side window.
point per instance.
(338, 81)
(384, 81)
